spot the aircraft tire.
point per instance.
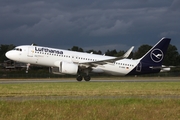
(79, 78)
(87, 78)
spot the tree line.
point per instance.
(172, 56)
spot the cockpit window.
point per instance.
(18, 49)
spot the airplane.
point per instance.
(81, 64)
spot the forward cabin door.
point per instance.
(30, 51)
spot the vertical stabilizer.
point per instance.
(152, 59)
(156, 54)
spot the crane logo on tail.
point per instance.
(157, 55)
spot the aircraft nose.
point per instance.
(10, 55)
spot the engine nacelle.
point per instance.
(66, 68)
(55, 70)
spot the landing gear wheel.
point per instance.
(79, 78)
(87, 78)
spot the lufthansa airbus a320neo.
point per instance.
(81, 64)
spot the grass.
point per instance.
(90, 101)
(91, 109)
(91, 89)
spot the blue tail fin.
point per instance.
(152, 59)
(156, 54)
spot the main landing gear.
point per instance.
(86, 78)
(83, 73)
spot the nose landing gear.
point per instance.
(27, 67)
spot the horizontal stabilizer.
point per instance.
(163, 68)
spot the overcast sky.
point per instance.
(89, 24)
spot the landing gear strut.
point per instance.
(27, 67)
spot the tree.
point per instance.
(94, 52)
(142, 50)
(3, 50)
(172, 56)
(120, 53)
(111, 53)
(76, 48)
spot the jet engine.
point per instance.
(65, 68)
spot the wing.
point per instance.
(102, 62)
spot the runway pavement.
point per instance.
(56, 80)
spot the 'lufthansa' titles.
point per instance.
(48, 50)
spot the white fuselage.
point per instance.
(46, 56)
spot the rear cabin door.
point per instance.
(139, 67)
